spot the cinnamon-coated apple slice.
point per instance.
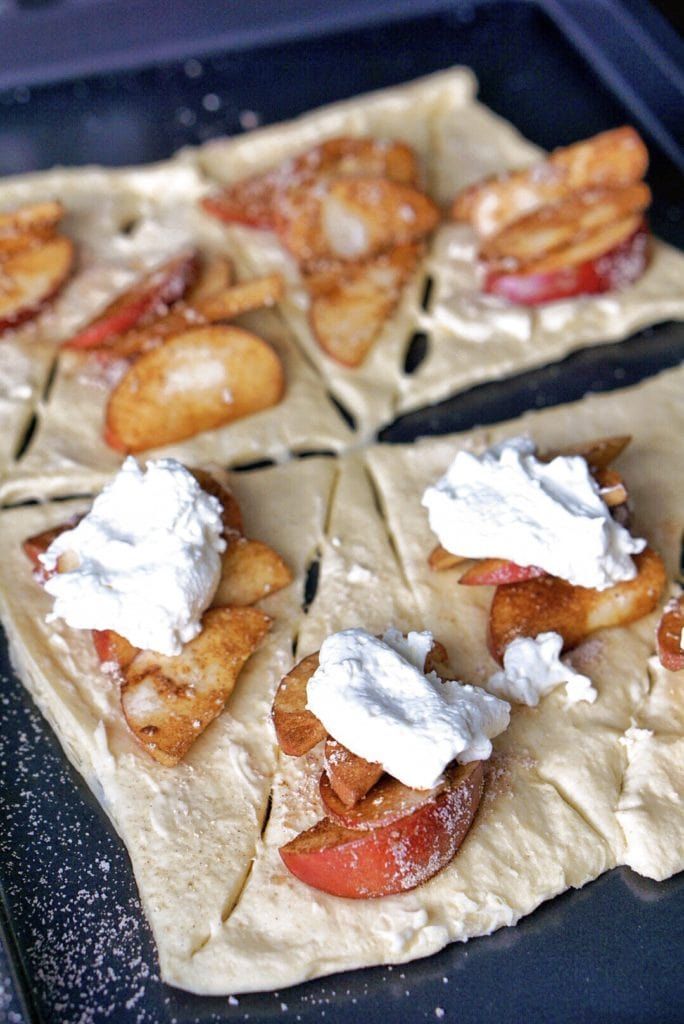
(199, 380)
(31, 277)
(441, 560)
(31, 219)
(613, 159)
(38, 544)
(349, 776)
(558, 225)
(242, 298)
(250, 570)
(382, 859)
(169, 701)
(214, 274)
(215, 481)
(151, 296)
(609, 259)
(669, 635)
(297, 729)
(347, 316)
(113, 649)
(599, 452)
(549, 604)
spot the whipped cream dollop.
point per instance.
(373, 697)
(507, 504)
(532, 668)
(146, 560)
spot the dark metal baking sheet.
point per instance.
(76, 944)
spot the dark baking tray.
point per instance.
(76, 946)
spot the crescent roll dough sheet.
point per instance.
(471, 337)
(571, 791)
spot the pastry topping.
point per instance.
(35, 261)
(145, 562)
(508, 504)
(671, 635)
(570, 225)
(374, 698)
(532, 668)
(350, 213)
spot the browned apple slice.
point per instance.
(613, 159)
(169, 701)
(197, 381)
(440, 560)
(250, 570)
(38, 544)
(361, 217)
(599, 452)
(297, 729)
(242, 298)
(669, 635)
(32, 277)
(349, 776)
(32, 219)
(558, 225)
(347, 317)
(549, 604)
(611, 487)
(388, 801)
(213, 275)
(215, 481)
(587, 249)
(150, 297)
(382, 859)
(496, 572)
(112, 648)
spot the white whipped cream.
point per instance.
(374, 698)
(148, 558)
(507, 504)
(532, 668)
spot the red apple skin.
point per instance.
(496, 572)
(363, 864)
(40, 542)
(611, 271)
(112, 647)
(159, 289)
(257, 213)
(670, 651)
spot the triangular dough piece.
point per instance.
(191, 831)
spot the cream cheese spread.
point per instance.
(532, 668)
(508, 504)
(373, 697)
(146, 558)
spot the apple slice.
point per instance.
(250, 570)
(549, 604)
(669, 635)
(32, 277)
(347, 317)
(199, 380)
(382, 859)
(242, 298)
(214, 274)
(361, 217)
(216, 481)
(613, 159)
(39, 543)
(32, 219)
(609, 259)
(158, 290)
(112, 648)
(559, 225)
(440, 560)
(496, 572)
(348, 776)
(249, 202)
(169, 701)
(599, 452)
(297, 729)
